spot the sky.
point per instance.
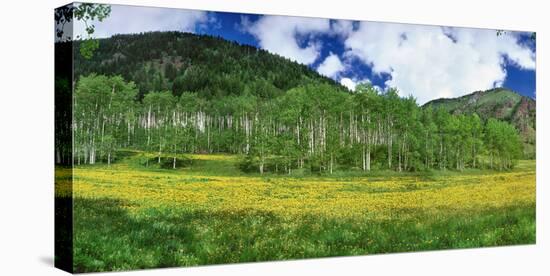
(427, 62)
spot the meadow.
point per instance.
(128, 216)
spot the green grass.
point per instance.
(108, 238)
(128, 216)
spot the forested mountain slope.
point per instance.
(207, 65)
(173, 93)
(499, 103)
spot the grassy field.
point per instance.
(127, 216)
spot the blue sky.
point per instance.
(427, 62)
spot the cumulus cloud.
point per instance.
(133, 19)
(351, 83)
(331, 66)
(433, 62)
(279, 34)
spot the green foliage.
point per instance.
(221, 97)
(500, 104)
(100, 104)
(207, 65)
(503, 144)
(88, 47)
(88, 12)
(85, 13)
(314, 126)
(248, 164)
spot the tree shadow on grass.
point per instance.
(108, 237)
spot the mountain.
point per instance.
(499, 103)
(218, 69)
(208, 65)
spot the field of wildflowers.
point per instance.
(128, 216)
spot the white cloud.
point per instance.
(134, 19)
(351, 84)
(331, 66)
(433, 62)
(278, 34)
(342, 28)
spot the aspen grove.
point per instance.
(315, 127)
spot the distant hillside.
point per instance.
(185, 62)
(497, 103)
